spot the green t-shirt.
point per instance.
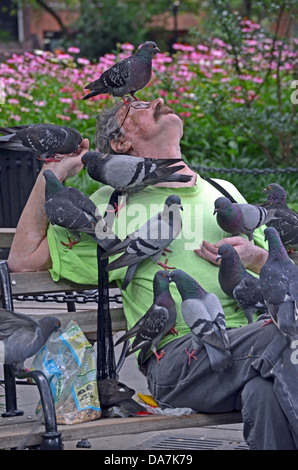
(198, 223)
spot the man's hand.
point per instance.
(68, 166)
(253, 257)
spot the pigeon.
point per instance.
(113, 393)
(151, 240)
(127, 173)
(237, 283)
(22, 337)
(203, 313)
(43, 140)
(239, 219)
(286, 221)
(279, 284)
(159, 320)
(68, 207)
(127, 76)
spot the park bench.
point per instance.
(41, 283)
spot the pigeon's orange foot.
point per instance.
(117, 208)
(159, 356)
(71, 243)
(50, 159)
(173, 331)
(267, 322)
(166, 250)
(190, 355)
(165, 265)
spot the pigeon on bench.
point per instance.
(48, 142)
(127, 76)
(22, 337)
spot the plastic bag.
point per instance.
(68, 361)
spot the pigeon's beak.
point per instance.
(265, 190)
(215, 211)
(181, 207)
(218, 258)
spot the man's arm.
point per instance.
(30, 250)
(252, 256)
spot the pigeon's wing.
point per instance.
(252, 216)
(152, 328)
(82, 201)
(248, 292)
(198, 318)
(11, 322)
(42, 138)
(12, 130)
(115, 77)
(64, 213)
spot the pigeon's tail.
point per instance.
(287, 323)
(129, 275)
(179, 178)
(270, 215)
(92, 93)
(219, 359)
(95, 87)
(107, 243)
(162, 175)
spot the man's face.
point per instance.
(147, 123)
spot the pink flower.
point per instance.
(65, 100)
(185, 113)
(126, 46)
(82, 116)
(64, 118)
(39, 103)
(238, 100)
(73, 50)
(257, 80)
(15, 118)
(13, 101)
(83, 61)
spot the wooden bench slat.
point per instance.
(14, 435)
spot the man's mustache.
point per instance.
(162, 109)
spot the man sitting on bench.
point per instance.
(261, 382)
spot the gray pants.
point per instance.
(262, 382)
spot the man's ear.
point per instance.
(121, 144)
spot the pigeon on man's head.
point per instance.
(150, 240)
(279, 284)
(239, 219)
(159, 320)
(22, 337)
(70, 208)
(127, 76)
(237, 283)
(203, 313)
(43, 140)
(285, 220)
(129, 174)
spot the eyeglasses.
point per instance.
(136, 105)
